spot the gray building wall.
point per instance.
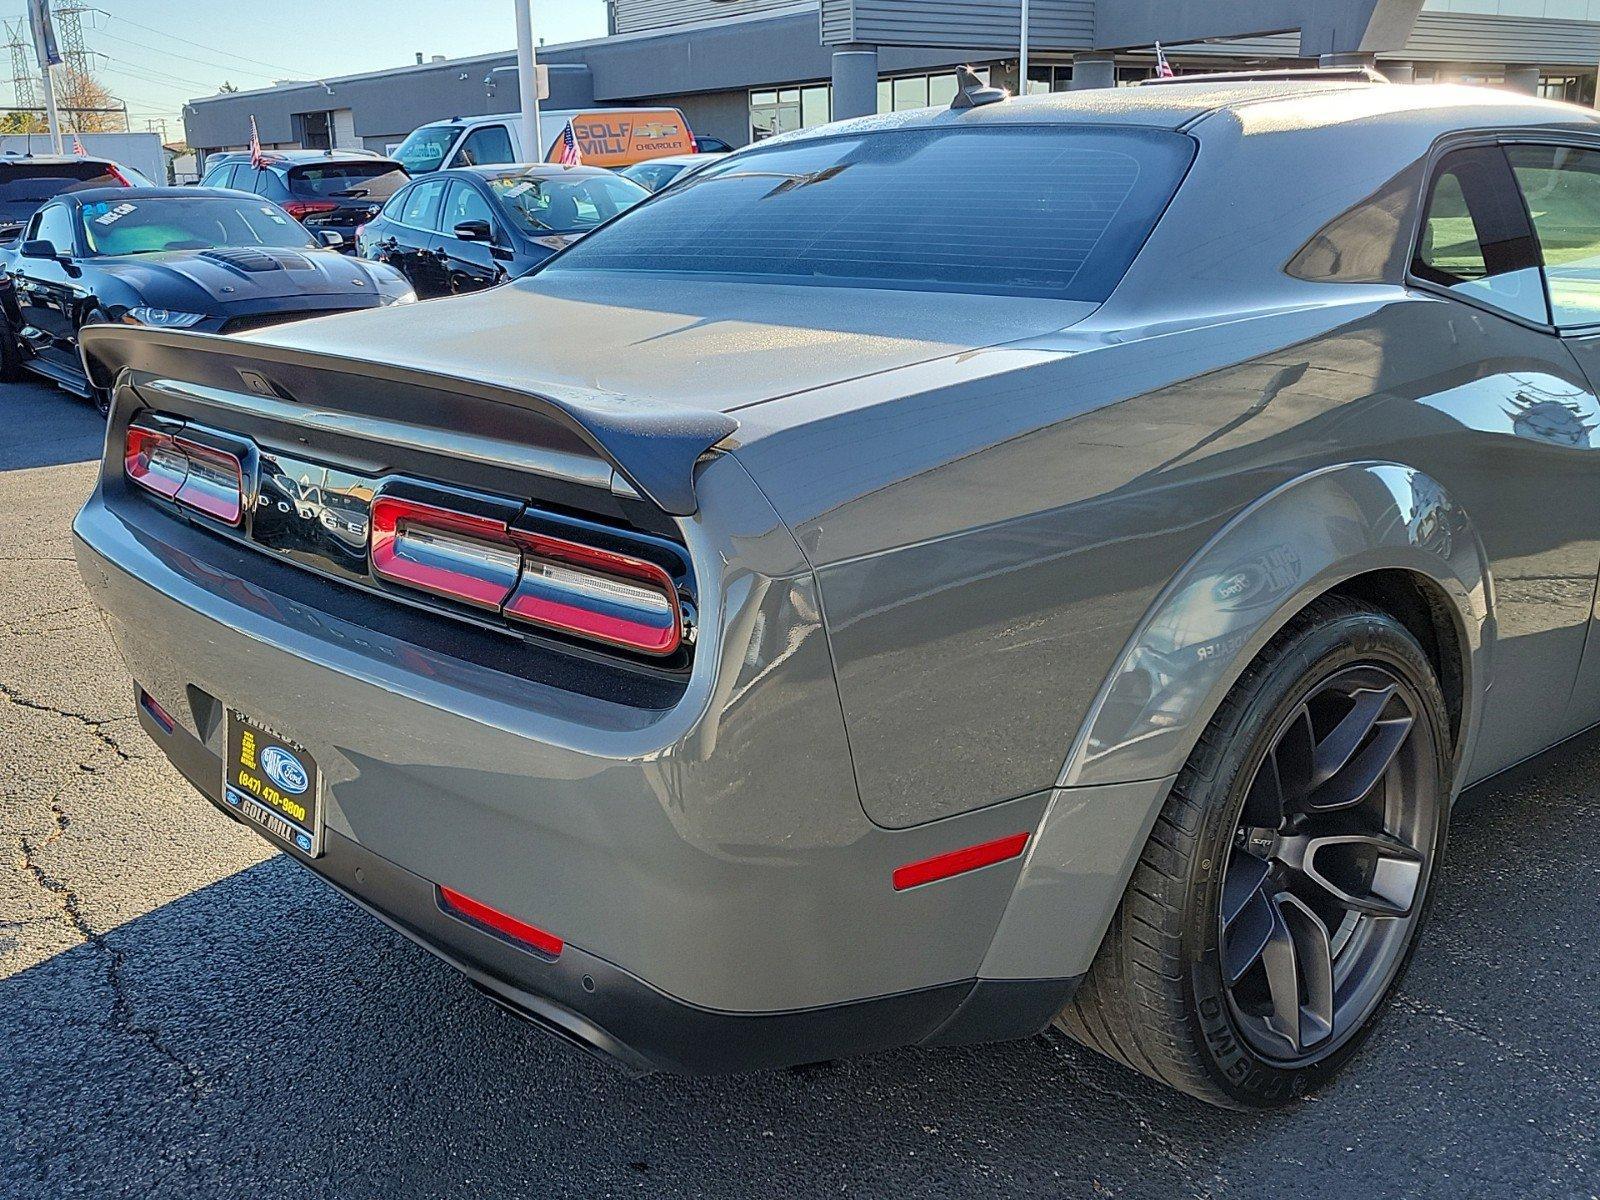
(1052, 24)
(639, 16)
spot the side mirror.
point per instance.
(330, 238)
(38, 248)
(474, 231)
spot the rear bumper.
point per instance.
(723, 900)
(598, 1007)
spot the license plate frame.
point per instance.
(261, 770)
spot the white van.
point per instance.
(608, 137)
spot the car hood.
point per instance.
(697, 343)
(197, 279)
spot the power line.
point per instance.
(279, 67)
(186, 57)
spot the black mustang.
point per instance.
(207, 259)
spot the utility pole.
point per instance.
(528, 83)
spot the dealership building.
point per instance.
(742, 70)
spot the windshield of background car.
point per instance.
(554, 205)
(377, 180)
(25, 186)
(424, 149)
(188, 223)
(1014, 210)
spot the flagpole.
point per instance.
(1023, 83)
(51, 114)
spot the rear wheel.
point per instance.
(1279, 897)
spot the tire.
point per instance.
(10, 354)
(1158, 996)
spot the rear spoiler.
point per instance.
(654, 447)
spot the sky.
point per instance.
(156, 54)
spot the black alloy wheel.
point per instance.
(1328, 859)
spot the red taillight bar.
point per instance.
(465, 906)
(478, 567)
(600, 594)
(178, 468)
(959, 862)
(301, 209)
(587, 591)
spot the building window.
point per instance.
(780, 110)
(919, 91)
(1574, 89)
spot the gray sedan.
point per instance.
(1047, 561)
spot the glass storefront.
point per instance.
(779, 110)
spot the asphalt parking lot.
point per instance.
(183, 1012)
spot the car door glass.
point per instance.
(1561, 185)
(421, 208)
(55, 227)
(1475, 237)
(484, 146)
(466, 203)
(222, 177)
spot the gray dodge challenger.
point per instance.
(914, 582)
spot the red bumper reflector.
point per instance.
(958, 862)
(532, 935)
(157, 714)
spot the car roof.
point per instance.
(51, 160)
(95, 195)
(1287, 104)
(681, 160)
(501, 170)
(299, 158)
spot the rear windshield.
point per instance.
(377, 180)
(25, 186)
(1014, 210)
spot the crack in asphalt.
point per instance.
(95, 726)
(122, 1017)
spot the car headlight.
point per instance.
(406, 297)
(161, 318)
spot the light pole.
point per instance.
(1022, 84)
(528, 83)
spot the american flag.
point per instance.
(257, 159)
(77, 146)
(1163, 67)
(571, 153)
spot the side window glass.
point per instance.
(1562, 187)
(222, 177)
(55, 227)
(483, 147)
(1475, 236)
(422, 204)
(465, 204)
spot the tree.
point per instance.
(227, 87)
(21, 122)
(79, 90)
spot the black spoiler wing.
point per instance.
(653, 446)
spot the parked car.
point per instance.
(28, 180)
(607, 137)
(166, 258)
(473, 227)
(711, 145)
(327, 191)
(803, 618)
(658, 172)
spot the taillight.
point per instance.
(594, 593)
(586, 591)
(301, 209)
(175, 467)
(448, 553)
